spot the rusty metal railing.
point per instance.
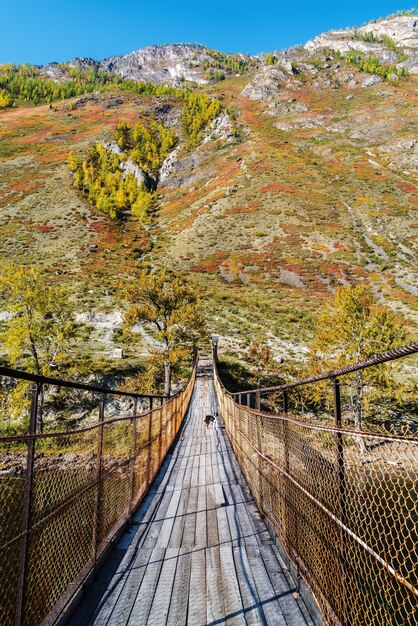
(66, 495)
(342, 501)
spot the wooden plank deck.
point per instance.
(198, 553)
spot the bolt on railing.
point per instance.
(341, 500)
(66, 496)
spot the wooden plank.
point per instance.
(251, 604)
(215, 591)
(214, 499)
(201, 538)
(145, 593)
(234, 609)
(162, 597)
(223, 525)
(166, 529)
(197, 598)
(120, 594)
(188, 539)
(180, 520)
(267, 596)
(177, 614)
(293, 609)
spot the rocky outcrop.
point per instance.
(266, 82)
(220, 128)
(169, 64)
(169, 164)
(129, 167)
(403, 30)
(403, 154)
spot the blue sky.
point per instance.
(38, 32)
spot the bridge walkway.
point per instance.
(198, 551)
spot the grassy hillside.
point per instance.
(310, 187)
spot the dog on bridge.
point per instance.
(212, 419)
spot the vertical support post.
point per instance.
(259, 427)
(150, 419)
(160, 434)
(215, 351)
(133, 450)
(99, 486)
(341, 492)
(151, 403)
(177, 420)
(240, 398)
(257, 400)
(340, 450)
(249, 400)
(285, 433)
(27, 501)
(289, 522)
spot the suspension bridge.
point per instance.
(145, 515)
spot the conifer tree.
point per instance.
(354, 327)
(171, 307)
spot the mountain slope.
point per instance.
(307, 180)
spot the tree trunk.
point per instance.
(167, 383)
(41, 398)
(358, 399)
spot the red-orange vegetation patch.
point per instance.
(98, 227)
(278, 188)
(387, 212)
(189, 221)
(335, 166)
(251, 207)
(366, 171)
(205, 267)
(408, 188)
(359, 271)
(296, 269)
(333, 270)
(50, 157)
(414, 225)
(251, 112)
(218, 195)
(22, 186)
(44, 228)
(210, 264)
(31, 138)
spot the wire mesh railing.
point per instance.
(66, 495)
(343, 501)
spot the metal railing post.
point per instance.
(133, 450)
(97, 508)
(150, 443)
(286, 490)
(27, 501)
(259, 427)
(340, 476)
(249, 400)
(285, 433)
